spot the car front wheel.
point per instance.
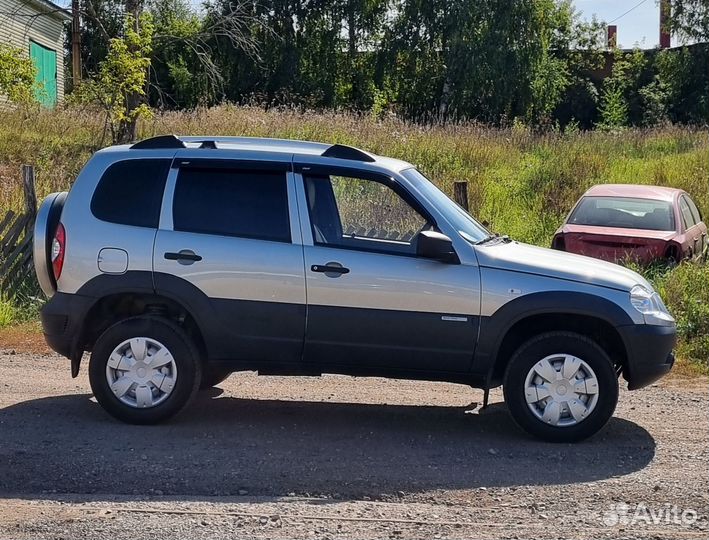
(561, 387)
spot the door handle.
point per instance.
(184, 256)
(330, 268)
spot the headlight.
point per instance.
(649, 303)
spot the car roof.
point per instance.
(637, 191)
(291, 149)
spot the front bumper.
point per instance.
(62, 322)
(649, 350)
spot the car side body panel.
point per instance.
(259, 305)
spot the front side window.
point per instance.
(461, 220)
(130, 192)
(248, 204)
(362, 214)
(624, 212)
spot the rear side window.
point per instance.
(693, 208)
(687, 216)
(130, 192)
(249, 204)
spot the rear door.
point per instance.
(372, 303)
(226, 246)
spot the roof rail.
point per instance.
(161, 141)
(347, 152)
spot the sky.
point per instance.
(640, 26)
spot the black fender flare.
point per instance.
(494, 328)
(175, 289)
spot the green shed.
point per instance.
(37, 27)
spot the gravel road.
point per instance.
(339, 457)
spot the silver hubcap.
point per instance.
(141, 372)
(561, 390)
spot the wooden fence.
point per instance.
(16, 266)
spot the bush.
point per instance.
(685, 290)
(17, 73)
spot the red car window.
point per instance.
(624, 212)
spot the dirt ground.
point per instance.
(339, 457)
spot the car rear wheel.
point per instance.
(561, 387)
(143, 370)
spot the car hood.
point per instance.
(518, 257)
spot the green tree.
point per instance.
(17, 75)
(179, 77)
(580, 45)
(621, 100)
(121, 76)
(490, 60)
(690, 19)
(683, 75)
(101, 21)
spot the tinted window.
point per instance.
(687, 216)
(130, 192)
(361, 214)
(250, 204)
(624, 212)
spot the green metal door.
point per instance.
(46, 79)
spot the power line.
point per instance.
(631, 9)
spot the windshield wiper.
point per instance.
(491, 237)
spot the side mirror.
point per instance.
(435, 245)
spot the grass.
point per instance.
(8, 313)
(522, 183)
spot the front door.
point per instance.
(225, 246)
(372, 303)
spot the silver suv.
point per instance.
(177, 261)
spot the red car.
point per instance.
(617, 222)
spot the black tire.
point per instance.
(211, 377)
(551, 343)
(183, 350)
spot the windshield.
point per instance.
(464, 223)
(624, 212)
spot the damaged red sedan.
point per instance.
(619, 222)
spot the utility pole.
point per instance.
(665, 11)
(75, 43)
